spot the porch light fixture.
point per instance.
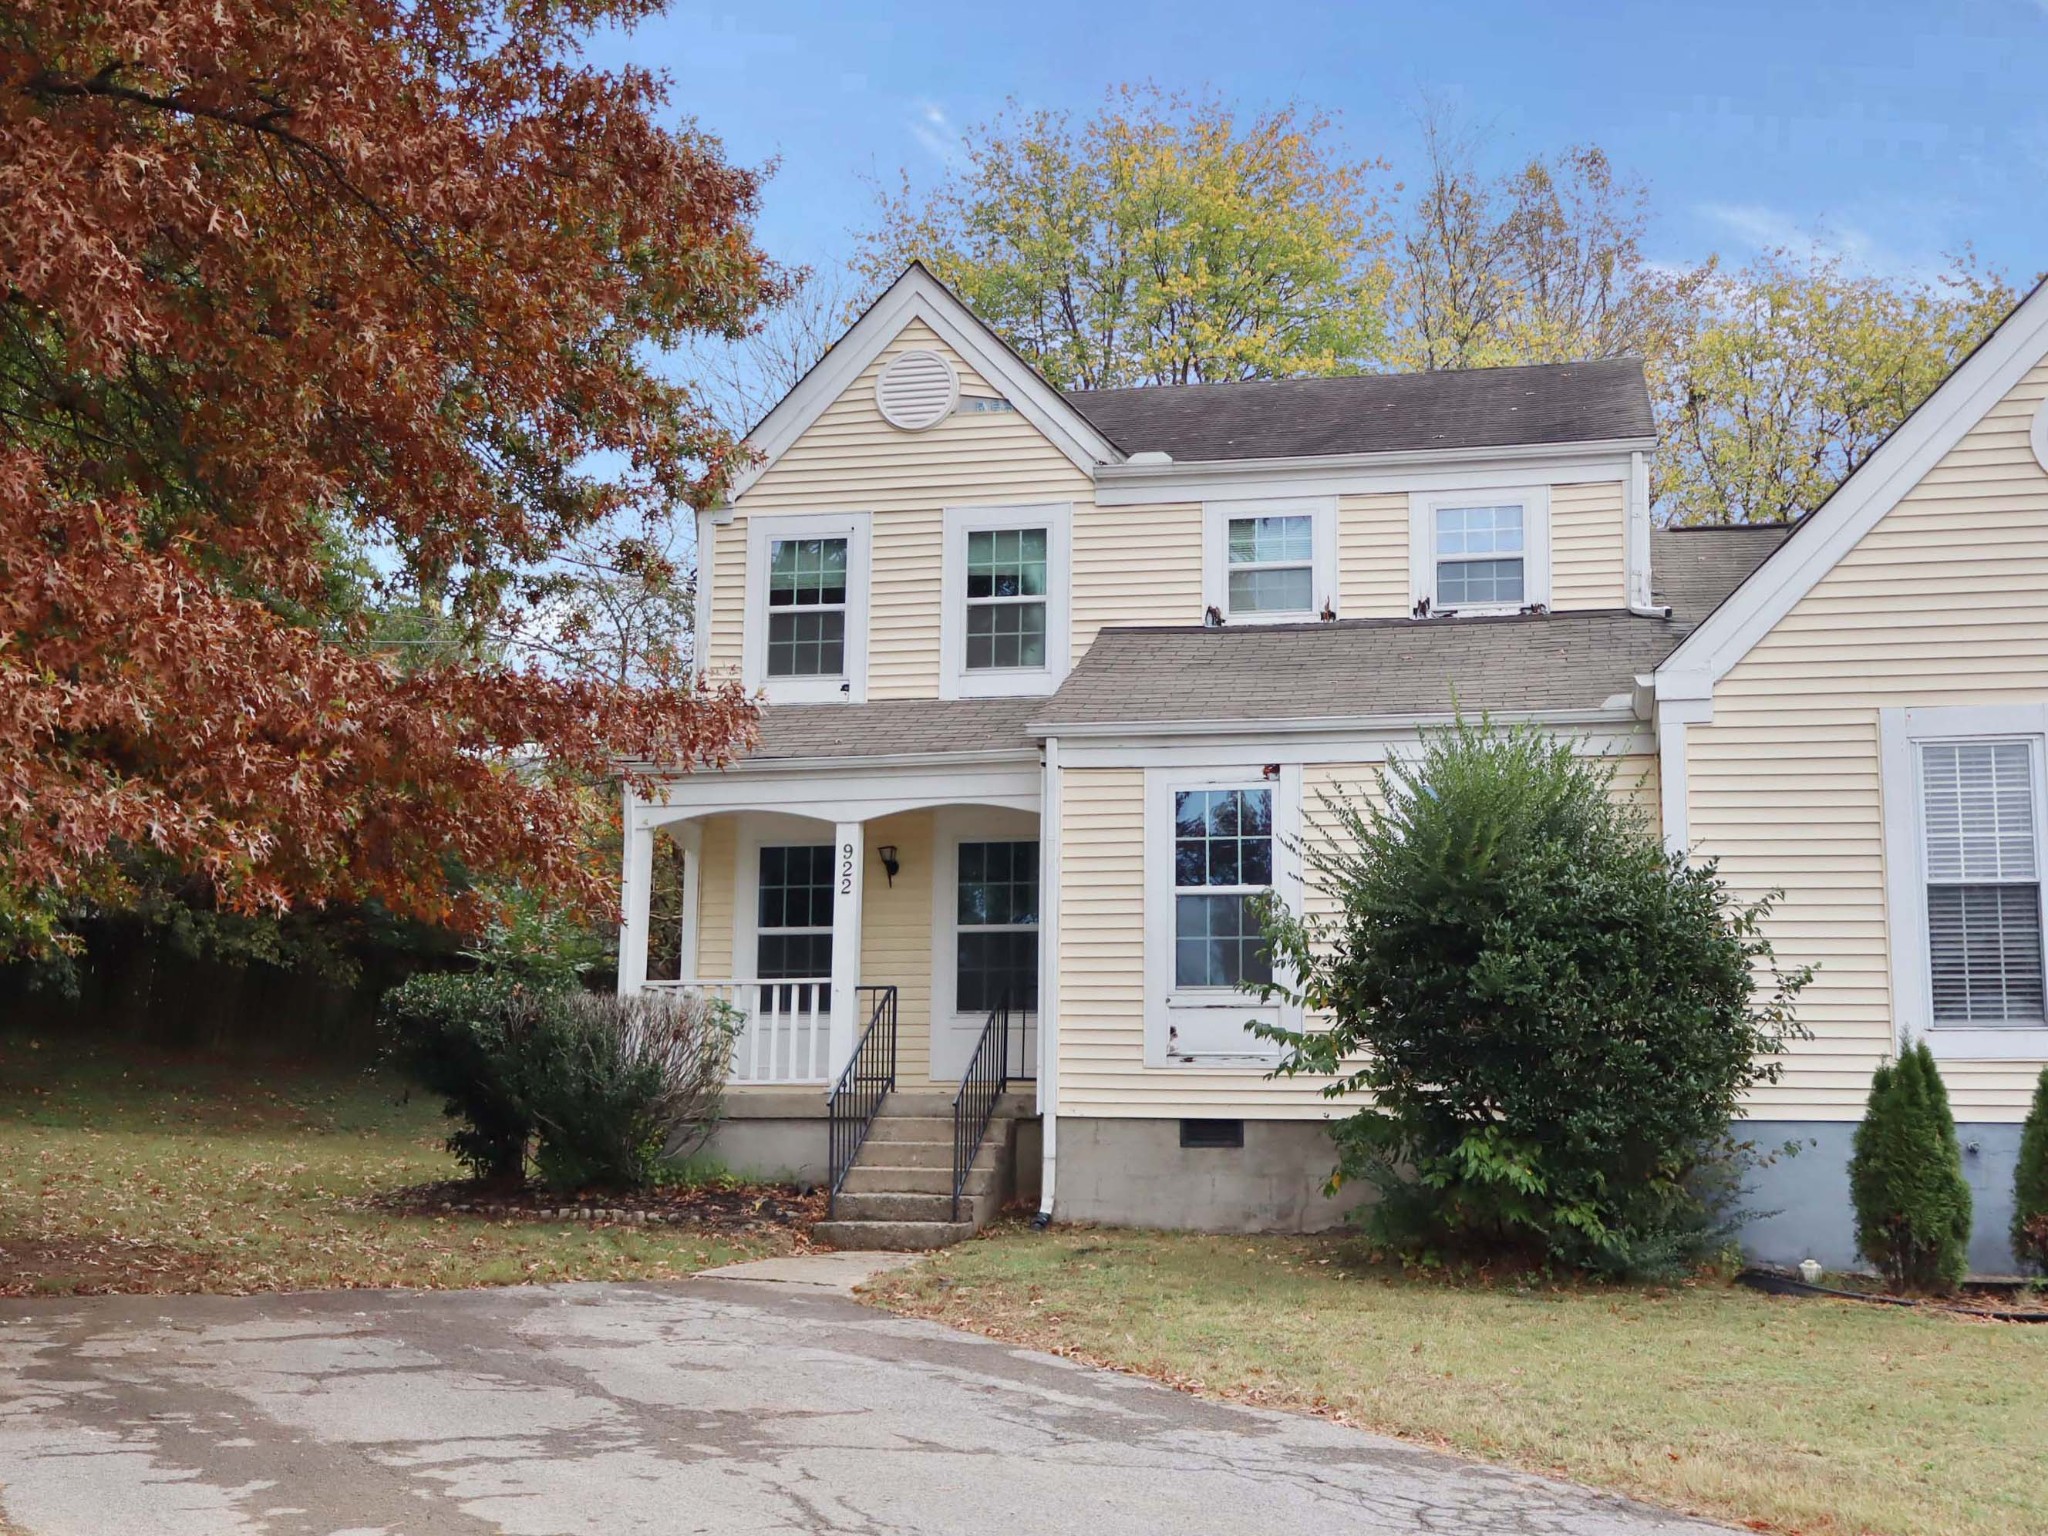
(887, 854)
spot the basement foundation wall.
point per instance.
(1803, 1206)
(1135, 1173)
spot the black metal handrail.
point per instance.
(981, 1089)
(858, 1095)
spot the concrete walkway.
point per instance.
(728, 1406)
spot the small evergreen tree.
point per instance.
(1906, 1178)
(2030, 1184)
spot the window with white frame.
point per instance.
(1222, 862)
(1271, 562)
(1004, 590)
(1963, 834)
(1482, 552)
(996, 958)
(1982, 868)
(807, 607)
(793, 928)
(1006, 596)
(807, 603)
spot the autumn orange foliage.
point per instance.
(273, 269)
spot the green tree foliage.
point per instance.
(2030, 1184)
(1550, 1018)
(1906, 1178)
(1791, 372)
(1162, 240)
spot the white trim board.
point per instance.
(917, 295)
(1510, 464)
(955, 680)
(1834, 528)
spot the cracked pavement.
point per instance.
(705, 1405)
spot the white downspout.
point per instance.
(1048, 979)
(1641, 598)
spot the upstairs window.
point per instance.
(1006, 598)
(1480, 557)
(1481, 552)
(1982, 868)
(1272, 565)
(806, 635)
(807, 607)
(1003, 593)
(1270, 562)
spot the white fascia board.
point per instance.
(1126, 484)
(1315, 725)
(1834, 528)
(849, 789)
(1605, 733)
(917, 295)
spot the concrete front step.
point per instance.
(896, 1205)
(866, 1178)
(911, 1128)
(938, 1103)
(901, 1236)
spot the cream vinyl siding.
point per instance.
(1944, 602)
(851, 460)
(718, 850)
(1102, 1068)
(1135, 565)
(1372, 556)
(1589, 545)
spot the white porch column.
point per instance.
(636, 883)
(849, 856)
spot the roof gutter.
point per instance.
(1143, 470)
(1619, 710)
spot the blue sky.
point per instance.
(1895, 131)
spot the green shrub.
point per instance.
(617, 1086)
(601, 1089)
(2030, 1184)
(1906, 1178)
(460, 1036)
(1553, 1019)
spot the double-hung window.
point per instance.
(1215, 845)
(1222, 861)
(1983, 875)
(1003, 594)
(1487, 552)
(807, 607)
(1006, 597)
(1271, 562)
(793, 930)
(1963, 808)
(996, 961)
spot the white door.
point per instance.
(986, 921)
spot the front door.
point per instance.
(993, 909)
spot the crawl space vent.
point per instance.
(917, 390)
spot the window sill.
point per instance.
(2012, 1042)
(1304, 616)
(994, 683)
(803, 690)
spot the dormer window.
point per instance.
(1481, 552)
(1270, 562)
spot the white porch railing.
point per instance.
(786, 1036)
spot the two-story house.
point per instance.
(1053, 683)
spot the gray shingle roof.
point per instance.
(888, 726)
(1376, 413)
(1358, 667)
(1692, 569)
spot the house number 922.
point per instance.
(846, 869)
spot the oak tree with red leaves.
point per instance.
(281, 278)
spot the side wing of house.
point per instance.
(1863, 729)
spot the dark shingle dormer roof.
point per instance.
(1549, 403)
(1693, 569)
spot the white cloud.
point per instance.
(1761, 228)
(935, 132)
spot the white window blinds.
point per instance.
(1983, 881)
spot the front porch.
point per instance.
(877, 932)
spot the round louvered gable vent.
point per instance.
(917, 390)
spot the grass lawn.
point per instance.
(1793, 1415)
(123, 1170)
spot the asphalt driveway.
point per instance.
(708, 1405)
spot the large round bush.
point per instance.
(1551, 1020)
